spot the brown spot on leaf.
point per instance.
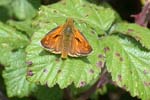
(30, 73)
(119, 77)
(145, 71)
(106, 49)
(130, 30)
(57, 59)
(45, 70)
(92, 32)
(121, 59)
(54, 11)
(82, 83)
(138, 38)
(29, 63)
(100, 56)
(100, 64)
(117, 54)
(59, 71)
(86, 15)
(146, 83)
(91, 71)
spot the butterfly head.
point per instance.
(69, 26)
(69, 21)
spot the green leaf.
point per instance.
(4, 2)
(15, 76)
(96, 17)
(49, 68)
(141, 34)
(10, 38)
(22, 9)
(128, 65)
(24, 26)
(45, 93)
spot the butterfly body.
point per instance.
(66, 44)
(66, 40)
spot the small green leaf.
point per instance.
(24, 26)
(11, 38)
(141, 34)
(15, 76)
(128, 65)
(50, 69)
(4, 2)
(45, 93)
(22, 9)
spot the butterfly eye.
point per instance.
(68, 30)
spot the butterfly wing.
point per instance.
(79, 45)
(52, 41)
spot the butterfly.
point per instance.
(66, 40)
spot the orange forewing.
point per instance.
(52, 41)
(66, 40)
(80, 46)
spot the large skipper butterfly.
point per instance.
(66, 40)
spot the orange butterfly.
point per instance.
(66, 40)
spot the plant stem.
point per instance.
(67, 94)
(143, 18)
(100, 82)
(2, 96)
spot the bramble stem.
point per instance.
(104, 79)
